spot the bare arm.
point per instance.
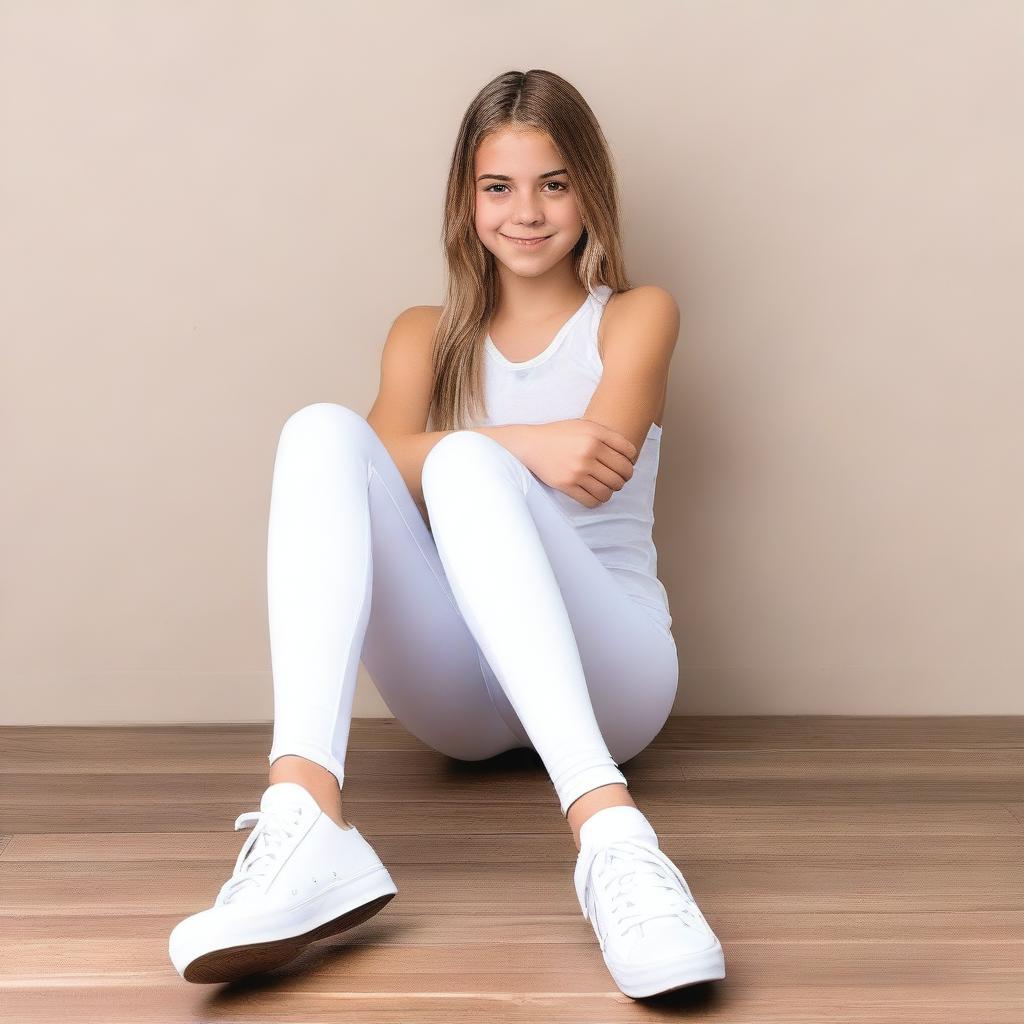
(640, 337)
(400, 412)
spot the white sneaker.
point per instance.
(652, 934)
(299, 877)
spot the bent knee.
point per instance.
(319, 416)
(458, 455)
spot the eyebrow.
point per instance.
(505, 177)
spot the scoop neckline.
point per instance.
(552, 347)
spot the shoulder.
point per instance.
(646, 311)
(648, 299)
(417, 317)
(413, 328)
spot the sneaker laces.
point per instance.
(642, 883)
(260, 854)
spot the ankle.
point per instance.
(580, 810)
(320, 783)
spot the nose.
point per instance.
(527, 210)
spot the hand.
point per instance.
(583, 459)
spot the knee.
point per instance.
(322, 417)
(457, 456)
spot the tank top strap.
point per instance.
(582, 345)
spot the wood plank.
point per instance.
(776, 984)
(404, 925)
(34, 887)
(1006, 764)
(759, 732)
(722, 845)
(441, 817)
(576, 965)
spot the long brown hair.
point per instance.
(543, 101)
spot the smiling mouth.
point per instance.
(526, 243)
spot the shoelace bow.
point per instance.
(272, 830)
(637, 873)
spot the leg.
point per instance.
(590, 673)
(352, 572)
(351, 567)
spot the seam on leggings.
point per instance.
(441, 581)
(530, 481)
(339, 686)
(512, 727)
(584, 764)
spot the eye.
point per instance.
(562, 187)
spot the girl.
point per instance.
(496, 574)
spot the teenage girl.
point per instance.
(482, 541)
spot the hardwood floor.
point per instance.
(855, 869)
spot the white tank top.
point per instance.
(557, 384)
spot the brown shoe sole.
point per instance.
(236, 962)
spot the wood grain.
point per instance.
(854, 868)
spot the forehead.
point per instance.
(520, 151)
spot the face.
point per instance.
(517, 197)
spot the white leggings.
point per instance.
(498, 630)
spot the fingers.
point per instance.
(597, 490)
(613, 478)
(614, 461)
(582, 496)
(617, 442)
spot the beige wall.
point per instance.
(212, 212)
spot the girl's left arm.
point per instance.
(640, 335)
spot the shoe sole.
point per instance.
(640, 981)
(235, 962)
